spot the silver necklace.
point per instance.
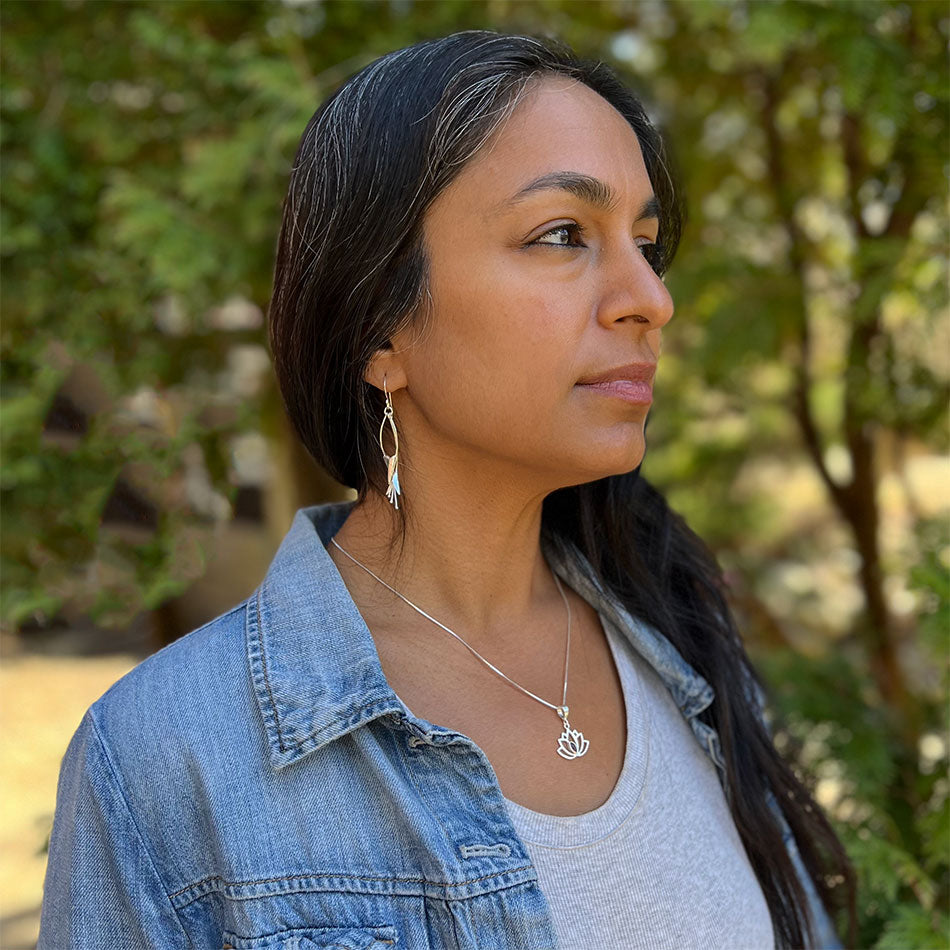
(571, 744)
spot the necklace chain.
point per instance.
(571, 744)
(567, 653)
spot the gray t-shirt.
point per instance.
(659, 865)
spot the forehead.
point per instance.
(560, 125)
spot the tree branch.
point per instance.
(796, 243)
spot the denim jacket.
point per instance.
(258, 783)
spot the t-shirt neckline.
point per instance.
(571, 831)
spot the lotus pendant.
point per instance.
(571, 744)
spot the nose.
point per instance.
(631, 291)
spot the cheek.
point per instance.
(498, 365)
(515, 334)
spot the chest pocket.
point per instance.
(381, 937)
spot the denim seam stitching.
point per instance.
(381, 701)
(350, 877)
(298, 744)
(260, 646)
(114, 772)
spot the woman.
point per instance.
(499, 700)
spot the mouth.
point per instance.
(632, 383)
(636, 391)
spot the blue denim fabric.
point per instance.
(258, 783)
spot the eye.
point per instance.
(557, 232)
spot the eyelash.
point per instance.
(576, 228)
(653, 252)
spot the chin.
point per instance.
(602, 461)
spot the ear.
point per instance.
(386, 362)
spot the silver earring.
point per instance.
(392, 461)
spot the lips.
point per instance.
(631, 383)
(632, 372)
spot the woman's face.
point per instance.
(535, 286)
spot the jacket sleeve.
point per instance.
(824, 932)
(102, 888)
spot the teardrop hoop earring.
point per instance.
(392, 461)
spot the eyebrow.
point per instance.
(591, 190)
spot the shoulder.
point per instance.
(172, 698)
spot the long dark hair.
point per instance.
(351, 271)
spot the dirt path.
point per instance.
(42, 700)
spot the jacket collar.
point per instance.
(313, 661)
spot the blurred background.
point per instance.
(800, 422)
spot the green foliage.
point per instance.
(913, 927)
(147, 146)
(830, 709)
(147, 150)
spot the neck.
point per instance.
(473, 563)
